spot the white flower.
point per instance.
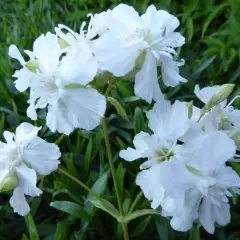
(201, 180)
(169, 123)
(24, 155)
(61, 84)
(128, 36)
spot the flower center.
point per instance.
(164, 154)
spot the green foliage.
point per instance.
(65, 210)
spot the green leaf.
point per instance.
(217, 10)
(105, 206)
(140, 213)
(190, 29)
(62, 230)
(162, 227)
(118, 107)
(24, 237)
(139, 122)
(32, 229)
(2, 123)
(142, 226)
(204, 66)
(71, 208)
(98, 187)
(88, 156)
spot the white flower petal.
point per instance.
(169, 21)
(27, 180)
(25, 133)
(47, 46)
(79, 108)
(206, 215)
(9, 137)
(115, 21)
(42, 156)
(24, 79)
(208, 152)
(206, 93)
(78, 66)
(146, 80)
(144, 144)
(189, 212)
(115, 56)
(182, 181)
(150, 183)
(13, 52)
(168, 121)
(170, 72)
(57, 119)
(18, 202)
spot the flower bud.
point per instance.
(219, 96)
(8, 183)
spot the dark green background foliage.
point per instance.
(212, 51)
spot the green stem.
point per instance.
(125, 231)
(109, 88)
(135, 202)
(32, 229)
(62, 171)
(110, 159)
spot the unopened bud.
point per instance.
(8, 183)
(219, 96)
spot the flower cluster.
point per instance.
(187, 152)
(187, 172)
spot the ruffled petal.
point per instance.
(78, 66)
(168, 121)
(150, 183)
(170, 72)
(42, 156)
(18, 202)
(27, 180)
(47, 50)
(146, 80)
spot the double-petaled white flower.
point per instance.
(59, 80)
(23, 156)
(199, 182)
(129, 36)
(168, 123)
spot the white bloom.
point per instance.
(203, 180)
(25, 154)
(61, 84)
(169, 123)
(128, 35)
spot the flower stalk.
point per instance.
(110, 159)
